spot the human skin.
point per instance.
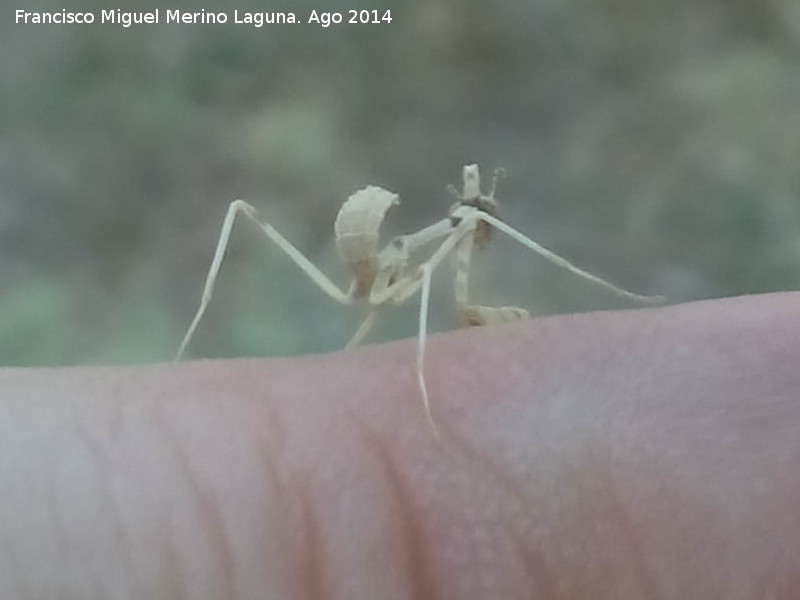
(636, 454)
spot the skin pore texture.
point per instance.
(637, 454)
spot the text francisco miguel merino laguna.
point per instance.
(126, 19)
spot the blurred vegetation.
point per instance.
(654, 143)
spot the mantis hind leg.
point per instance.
(363, 329)
(241, 207)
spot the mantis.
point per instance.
(385, 276)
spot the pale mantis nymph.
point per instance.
(385, 276)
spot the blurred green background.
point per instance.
(654, 143)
